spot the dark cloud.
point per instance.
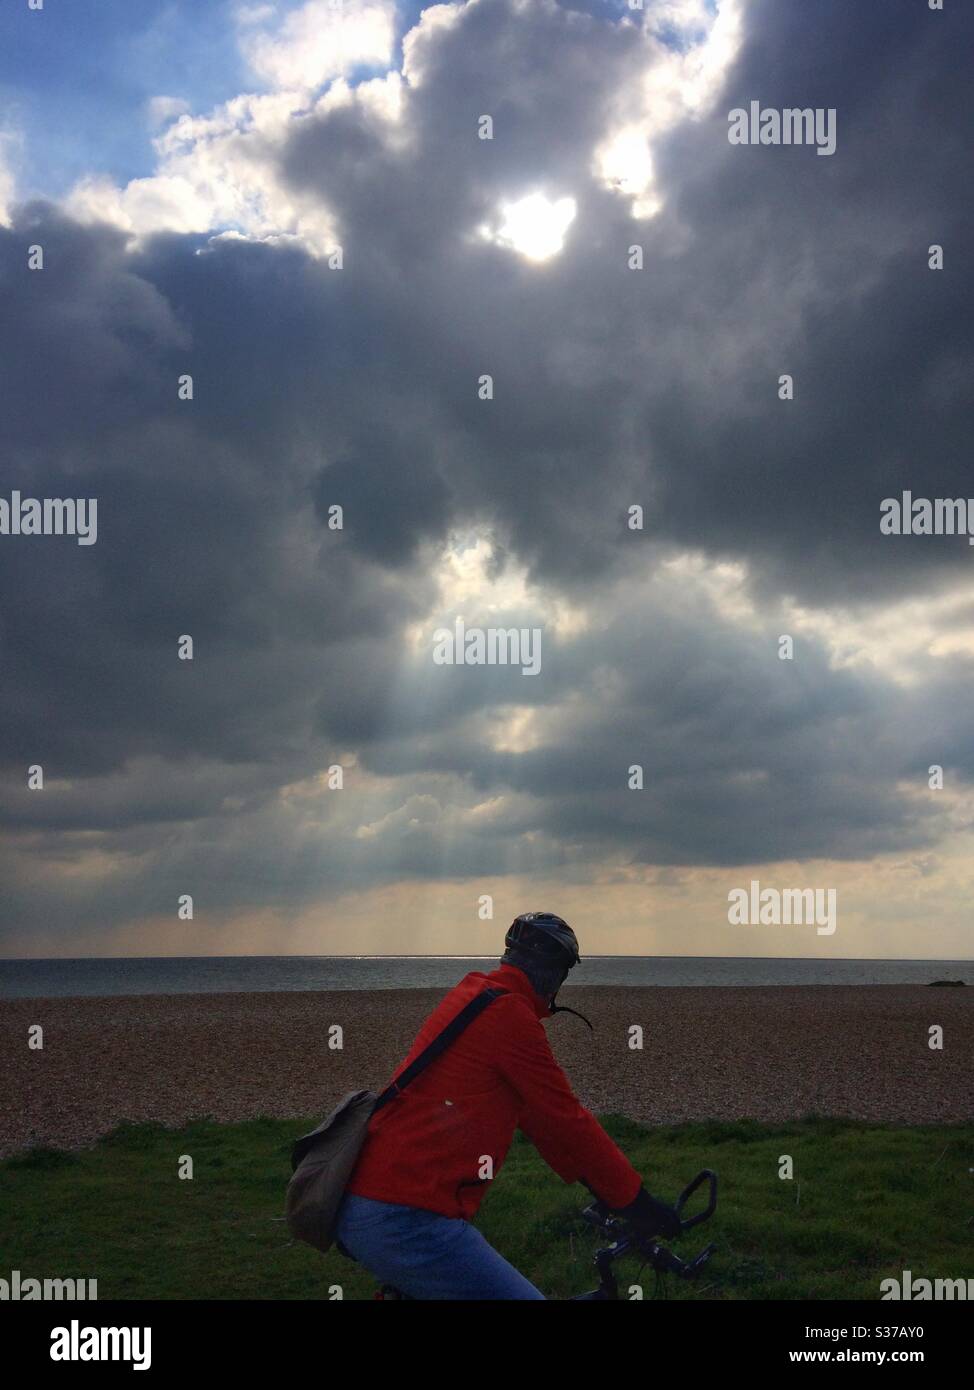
(613, 385)
(359, 387)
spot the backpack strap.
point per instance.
(439, 1044)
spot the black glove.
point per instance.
(650, 1216)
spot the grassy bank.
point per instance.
(865, 1203)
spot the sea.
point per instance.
(33, 979)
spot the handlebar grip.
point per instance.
(705, 1175)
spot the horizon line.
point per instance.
(965, 960)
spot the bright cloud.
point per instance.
(7, 181)
(215, 172)
(320, 41)
(161, 110)
(535, 226)
(680, 82)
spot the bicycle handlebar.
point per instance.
(627, 1240)
(705, 1175)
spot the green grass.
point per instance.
(866, 1203)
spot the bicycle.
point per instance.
(628, 1241)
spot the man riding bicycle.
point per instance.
(428, 1157)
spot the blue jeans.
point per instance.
(426, 1255)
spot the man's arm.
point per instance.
(568, 1137)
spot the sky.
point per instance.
(294, 206)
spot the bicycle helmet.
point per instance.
(544, 946)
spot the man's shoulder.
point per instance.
(514, 1018)
(477, 980)
(509, 1002)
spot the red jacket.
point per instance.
(427, 1147)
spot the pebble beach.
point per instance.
(714, 1052)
